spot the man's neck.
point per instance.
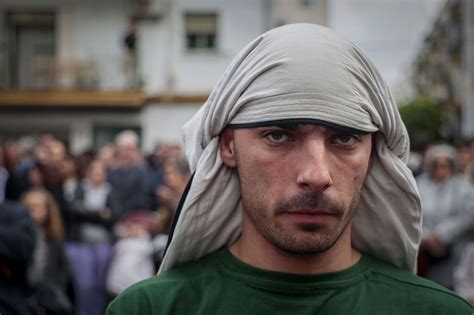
(258, 252)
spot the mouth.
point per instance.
(310, 215)
(312, 211)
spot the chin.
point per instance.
(304, 244)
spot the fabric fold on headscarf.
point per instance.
(300, 71)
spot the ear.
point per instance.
(226, 146)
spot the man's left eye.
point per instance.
(346, 139)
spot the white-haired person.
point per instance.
(129, 177)
(447, 198)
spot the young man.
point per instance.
(300, 191)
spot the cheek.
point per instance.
(271, 171)
(260, 176)
(359, 173)
(38, 215)
(351, 174)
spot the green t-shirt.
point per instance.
(219, 283)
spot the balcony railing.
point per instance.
(47, 73)
(45, 82)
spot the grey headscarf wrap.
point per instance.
(303, 72)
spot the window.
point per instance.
(31, 50)
(201, 30)
(306, 3)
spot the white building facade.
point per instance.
(84, 70)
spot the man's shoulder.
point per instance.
(186, 282)
(406, 286)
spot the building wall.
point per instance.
(164, 123)
(87, 32)
(165, 64)
(89, 37)
(92, 32)
(299, 11)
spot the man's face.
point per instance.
(300, 184)
(127, 153)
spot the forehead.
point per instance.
(35, 197)
(442, 160)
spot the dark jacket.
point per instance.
(80, 214)
(17, 241)
(131, 184)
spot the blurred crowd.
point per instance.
(445, 179)
(75, 231)
(100, 220)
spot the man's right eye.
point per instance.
(276, 136)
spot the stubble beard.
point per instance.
(295, 238)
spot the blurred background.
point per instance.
(84, 70)
(94, 93)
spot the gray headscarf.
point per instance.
(303, 72)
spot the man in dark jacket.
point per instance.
(17, 241)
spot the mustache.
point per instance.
(310, 200)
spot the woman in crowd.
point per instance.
(448, 211)
(49, 273)
(94, 208)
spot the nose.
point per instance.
(314, 171)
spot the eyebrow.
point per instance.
(333, 129)
(294, 124)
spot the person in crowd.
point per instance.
(107, 154)
(448, 213)
(10, 160)
(17, 242)
(93, 210)
(41, 155)
(301, 201)
(49, 274)
(48, 172)
(132, 259)
(162, 153)
(129, 178)
(52, 171)
(70, 175)
(176, 176)
(35, 178)
(26, 161)
(3, 176)
(82, 162)
(156, 161)
(466, 159)
(464, 272)
(46, 139)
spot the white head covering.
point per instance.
(300, 72)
